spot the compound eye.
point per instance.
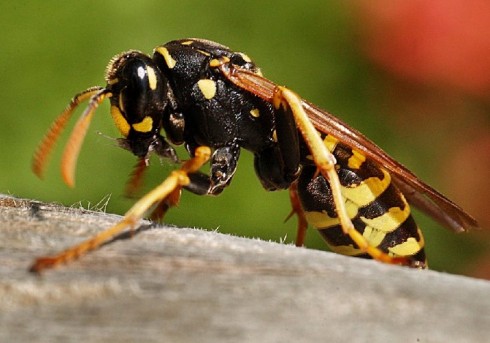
(138, 93)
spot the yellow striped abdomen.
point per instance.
(378, 210)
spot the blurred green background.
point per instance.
(52, 50)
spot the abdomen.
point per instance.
(378, 210)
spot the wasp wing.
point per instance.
(417, 192)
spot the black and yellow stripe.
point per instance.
(378, 210)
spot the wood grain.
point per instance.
(169, 284)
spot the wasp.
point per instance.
(215, 102)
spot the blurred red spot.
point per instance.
(439, 42)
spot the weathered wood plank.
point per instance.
(169, 284)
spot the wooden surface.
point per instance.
(170, 284)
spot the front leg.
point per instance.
(170, 187)
(223, 165)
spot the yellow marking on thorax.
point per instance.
(119, 120)
(368, 190)
(356, 160)
(330, 142)
(152, 78)
(205, 53)
(166, 56)
(187, 42)
(145, 125)
(207, 88)
(255, 112)
(214, 63)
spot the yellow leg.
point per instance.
(174, 182)
(325, 162)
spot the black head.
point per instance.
(139, 97)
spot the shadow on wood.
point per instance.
(171, 284)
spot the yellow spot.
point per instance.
(356, 160)
(166, 56)
(152, 77)
(255, 112)
(321, 220)
(389, 221)
(330, 142)
(205, 53)
(274, 136)
(368, 190)
(187, 42)
(214, 63)
(120, 122)
(245, 57)
(145, 125)
(278, 102)
(408, 248)
(373, 236)
(207, 88)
